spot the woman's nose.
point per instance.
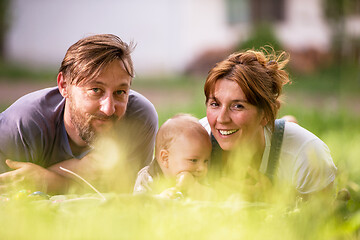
(107, 105)
(223, 115)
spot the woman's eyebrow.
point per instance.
(234, 100)
(240, 100)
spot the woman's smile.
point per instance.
(231, 117)
(228, 132)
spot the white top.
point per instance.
(304, 161)
(143, 181)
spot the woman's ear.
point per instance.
(264, 121)
(164, 158)
(62, 85)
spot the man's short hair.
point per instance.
(85, 59)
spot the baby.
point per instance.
(182, 153)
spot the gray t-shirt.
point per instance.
(32, 130)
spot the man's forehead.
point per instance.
(113, 73)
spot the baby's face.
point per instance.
(189, 154)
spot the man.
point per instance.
(93, 98)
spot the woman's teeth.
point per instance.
(224, 132)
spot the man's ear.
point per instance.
(164, 158)
(62, 85)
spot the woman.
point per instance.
(242, 100)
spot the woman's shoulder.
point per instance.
(298, 141)
(305, 146)
(305, 159)
(294, 133)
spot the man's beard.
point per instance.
(82, 123)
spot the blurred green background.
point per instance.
(324, 96)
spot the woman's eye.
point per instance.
(213, 104)
(95, 90)
(237, 106)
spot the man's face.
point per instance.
(95, 105)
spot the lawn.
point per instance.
(322, 102)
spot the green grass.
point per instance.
(168, 82)
(338, 127)
(124, 216)
(166, 85)
(142, 217)
(16, 73)
(340, 78)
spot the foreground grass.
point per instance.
(143, 217)
(123, 216)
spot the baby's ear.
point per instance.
(164, 158)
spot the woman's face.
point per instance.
(232, 118)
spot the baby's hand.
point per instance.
(184, 180)
(171, 193)
(188, 184)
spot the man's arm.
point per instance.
(30, 131)
(32, 177)
(52, 180)
(88, 168)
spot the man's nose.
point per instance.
(107, 105)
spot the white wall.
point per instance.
(168, 33)
(305, 26)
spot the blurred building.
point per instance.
(169, 34)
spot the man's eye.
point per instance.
(120, 92)
(95, 92)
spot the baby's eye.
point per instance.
(193, 160)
